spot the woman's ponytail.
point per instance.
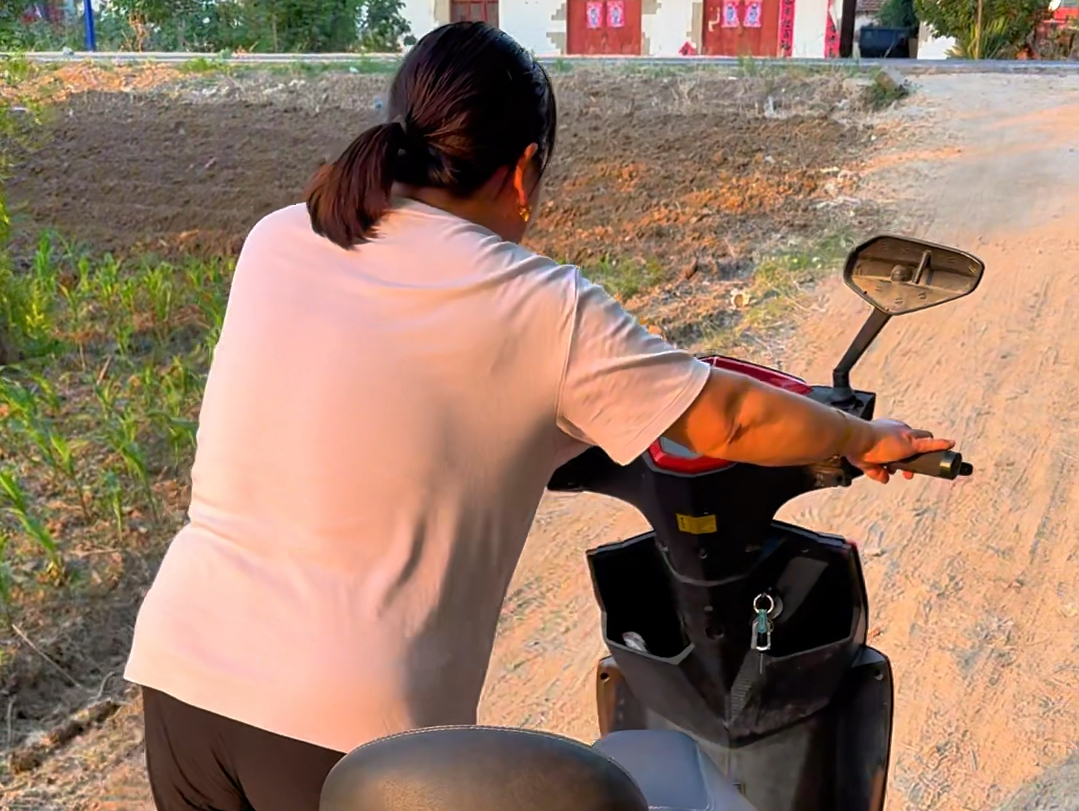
(466, 102)
(348, 197)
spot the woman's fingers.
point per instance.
(930, 445)
(903, 443)
(876, 473)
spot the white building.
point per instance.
(763, 28)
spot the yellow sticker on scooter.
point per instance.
(696, 524)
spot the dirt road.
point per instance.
(975, 586)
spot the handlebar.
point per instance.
(941, 464)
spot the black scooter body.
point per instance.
(803, 727)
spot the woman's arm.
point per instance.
(744, 420)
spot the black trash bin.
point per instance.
(883, 43)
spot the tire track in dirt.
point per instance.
(973, 585)
(542, 671)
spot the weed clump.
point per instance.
(887, 88)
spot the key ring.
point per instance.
(761, 609)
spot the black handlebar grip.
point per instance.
(941, 464)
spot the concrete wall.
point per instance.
(930, 46)
(668, 24)
(539, 25)
(420, 15)
(810, 24)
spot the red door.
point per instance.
(485, 11)
(741, 27)
(604, 27)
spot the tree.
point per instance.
(1010, 21)
(898, 14)
(383, 27)
(298, 26)
(283, 26)
(168, 25)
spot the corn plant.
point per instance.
(211, 298)
(122, 335)
(24, 414)
(169, 413)
(159, 289)
(129, 295)
(106, 290)
(44, 389)
(105, 394)
(149, 386)
(77, 298)
(17, 504)
(7, 579)
(60, 456)
(20, 402)
(114, 494)
(123, 437)
(39, 295)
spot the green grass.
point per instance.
(98, 411)
(625, 278)
(882, 94)
(203, 65)
(224, 64)
(14, 69)
(778, 281)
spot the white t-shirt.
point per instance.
(376, 433)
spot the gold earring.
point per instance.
(525, 212)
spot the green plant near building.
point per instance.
(1000, 29)
(993, 41)
(898, 14)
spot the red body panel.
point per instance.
(666, 455)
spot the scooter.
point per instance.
(739, 675)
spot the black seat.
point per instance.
(672, 771)
(478, 769)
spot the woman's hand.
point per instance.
(893, 441)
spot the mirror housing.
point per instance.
(898, 275)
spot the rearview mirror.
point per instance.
(899, 275)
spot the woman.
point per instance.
(395, 381)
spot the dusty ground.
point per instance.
(973, 586)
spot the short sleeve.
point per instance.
(622, 386)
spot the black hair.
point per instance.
(466, 102)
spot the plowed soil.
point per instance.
(974, 587)
(648, 169)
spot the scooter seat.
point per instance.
(672, 771)
(478, 769)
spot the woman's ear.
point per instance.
(523, 182)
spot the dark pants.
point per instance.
(199, 760)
